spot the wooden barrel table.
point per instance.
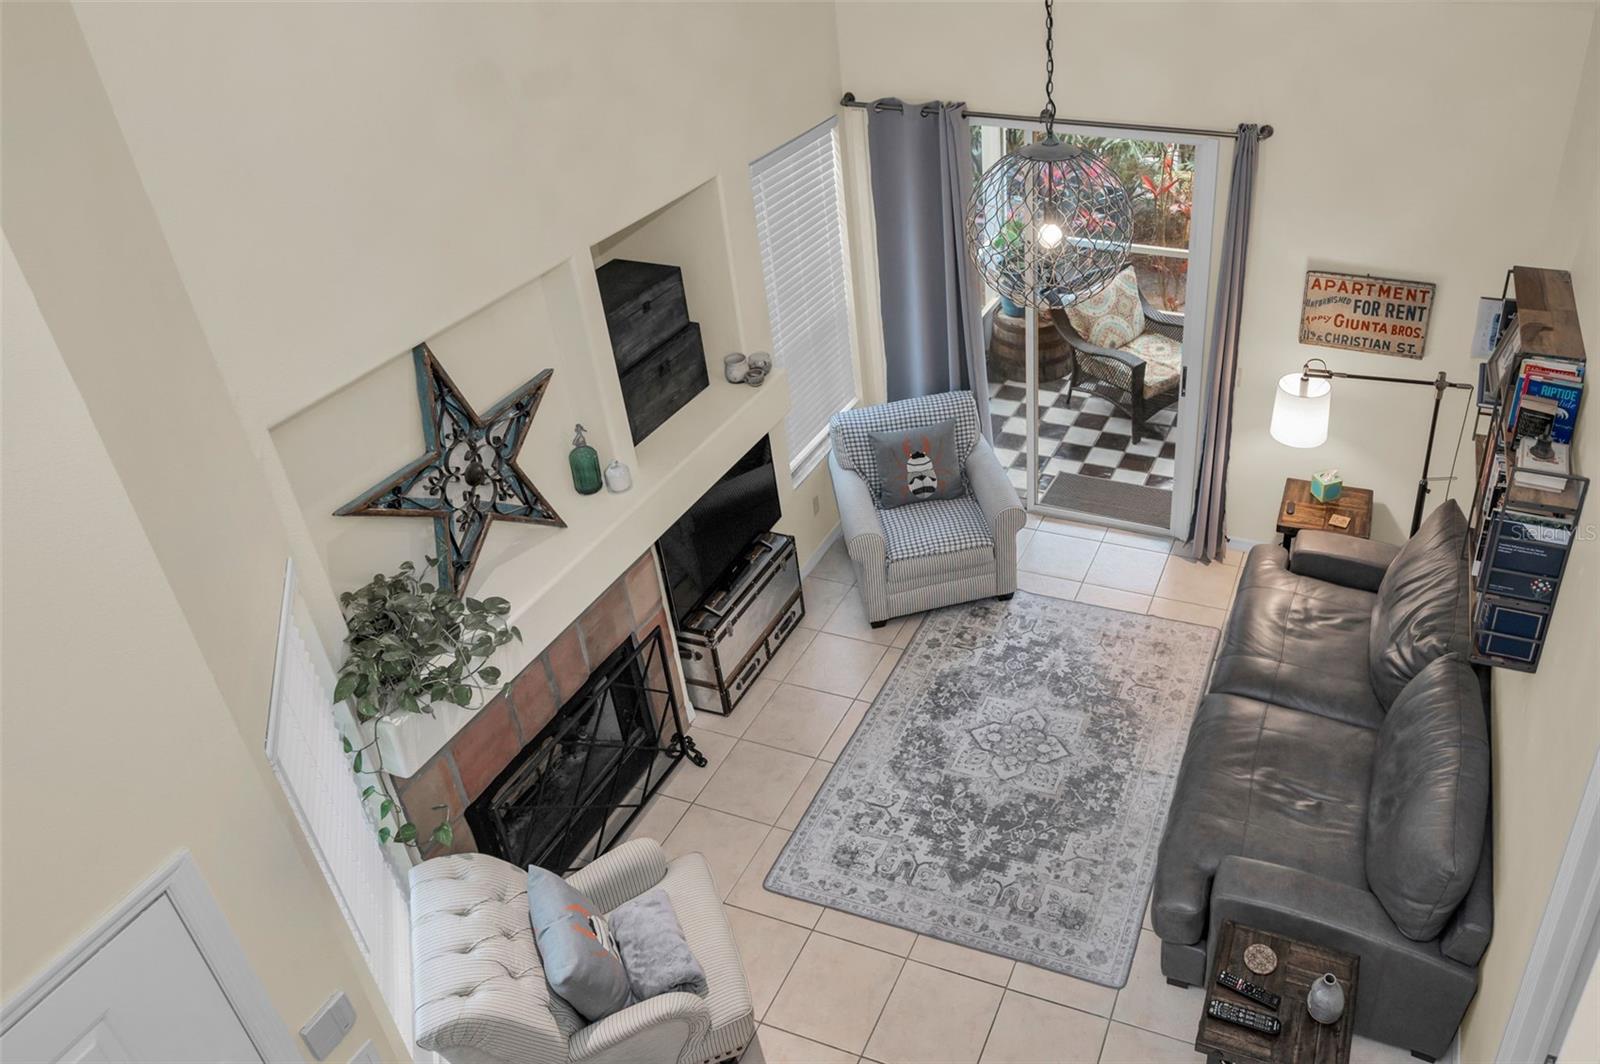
(1008, 350)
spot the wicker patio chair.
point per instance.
(1140, 378)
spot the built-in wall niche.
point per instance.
(677, 259)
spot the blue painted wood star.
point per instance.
(469, 478)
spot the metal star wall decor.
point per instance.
(469, 478)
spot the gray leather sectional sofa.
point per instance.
(1336, 783)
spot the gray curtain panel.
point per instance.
(932, 305)
(1208, 537)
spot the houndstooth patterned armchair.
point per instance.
(925, 554)
(481, 995)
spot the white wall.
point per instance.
(1412, 141)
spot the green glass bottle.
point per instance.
(585, 462)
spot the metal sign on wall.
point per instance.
(1362, 313)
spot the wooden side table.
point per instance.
(1309, 514)
(1302, 1040)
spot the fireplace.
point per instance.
(574, 789)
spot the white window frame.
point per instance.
(808, 452)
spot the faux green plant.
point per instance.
(410, 646)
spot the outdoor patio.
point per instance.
(1087, 436)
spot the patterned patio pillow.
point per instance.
(1112, 316)
(918, 464)
(1163, 360)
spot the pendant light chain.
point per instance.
(1049, 69)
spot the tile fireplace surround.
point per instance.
(471, 759)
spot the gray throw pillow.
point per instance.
(1429, 801)
(918, 464)
(580, 958)
(1421, 610)
(653, 947)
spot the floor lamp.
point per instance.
(1300, 412)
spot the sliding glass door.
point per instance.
(1110, 431)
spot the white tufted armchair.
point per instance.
(481, 996)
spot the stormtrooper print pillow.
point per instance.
(918, 464)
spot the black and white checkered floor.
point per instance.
(1087, 436)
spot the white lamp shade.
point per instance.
(1300, 411)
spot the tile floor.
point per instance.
(831, 987)
(1086, 435)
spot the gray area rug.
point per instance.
(1008, 787)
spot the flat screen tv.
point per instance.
(704, 542)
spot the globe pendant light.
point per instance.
(1050, 223)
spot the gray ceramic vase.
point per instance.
(1325, 999)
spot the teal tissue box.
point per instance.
(1326, 486)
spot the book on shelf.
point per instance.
(1543, 474)
(1545, 394)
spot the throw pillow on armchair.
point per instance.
(918, 464)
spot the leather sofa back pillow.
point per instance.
(1421, 610)
(1430, 798)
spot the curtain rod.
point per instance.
(849, 100)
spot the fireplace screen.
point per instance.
(569, 795)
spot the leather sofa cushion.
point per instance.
(1422, 603)
(1430, 797)
(1265, 782)
(1298, 641)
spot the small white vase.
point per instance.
(1325, 999)
(618, 477)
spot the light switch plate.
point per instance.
(327, 1028)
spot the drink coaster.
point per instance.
(1260, 959)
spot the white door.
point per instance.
(146, 995)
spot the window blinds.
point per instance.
(806, 270)
(303, 747)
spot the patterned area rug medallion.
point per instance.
(1008, 787)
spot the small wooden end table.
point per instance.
(1302, 1040)
(1309, 514)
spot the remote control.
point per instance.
(1259, 994)
(1249, 1019)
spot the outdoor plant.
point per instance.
(411, 646)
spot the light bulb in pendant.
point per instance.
(1049, 235)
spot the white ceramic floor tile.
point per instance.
(1114, 599)
(1141, 540)
(963, 960)
(835, 992)
(847, 727)
(849, 618)
(896, 940)
(798, 719)
(1187, 611)
(792, 650)
(835, 565)
(1130, 1045)
(880, 675)
(934, 1015)
(768, 948)
(822, 597)
(907, 631)
(1029, 1031)
(1191, 581)
(749, 706)
(689, 779)
(755, 781)
(1063, 989)
(1062, 526)
(727, 841)
(1063, 557)
(1126, 569)
(773, 1046)
(1039, 584)
(749, 893)
(1148, 1001)
(789, 819)
(835, 664)
(657, 819)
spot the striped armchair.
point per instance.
(925, 554)
(481, 995)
